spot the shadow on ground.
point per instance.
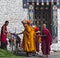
(21, 53)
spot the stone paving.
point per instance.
(53, 55)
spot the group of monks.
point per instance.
(31, 38)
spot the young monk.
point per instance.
(4, 35)
(37, 39)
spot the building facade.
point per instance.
(38, 11)
(13, 11)
(45, 12)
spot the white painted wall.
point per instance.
(56, 46)
(58, 13)
(12, 10)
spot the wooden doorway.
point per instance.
(42, 14)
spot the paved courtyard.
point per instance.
(53, 55)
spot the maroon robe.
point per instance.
(37, 42)
(3, 36)
(46, 41)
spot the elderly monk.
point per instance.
(28, 43)
(46, 41)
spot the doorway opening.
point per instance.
(42, 15)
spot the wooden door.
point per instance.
(42, 15)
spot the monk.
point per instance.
(46, 41)
(28, 43)
(37, 39)
(4, 35)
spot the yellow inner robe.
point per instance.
(28, 43)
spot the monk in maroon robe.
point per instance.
(4, 35)
(46, 41)
(37, 39)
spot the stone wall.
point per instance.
(12, 10)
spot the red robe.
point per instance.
(37, 38)
(3, 33)
(46, 41)
(37, 41)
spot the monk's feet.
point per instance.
(45, 56)
(27, 54)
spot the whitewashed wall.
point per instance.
(58, 13)
(56, 46)
(12, 10)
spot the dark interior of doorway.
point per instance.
(43, 15)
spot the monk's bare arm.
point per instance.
(20, 33)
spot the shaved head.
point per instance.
(44, 25)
